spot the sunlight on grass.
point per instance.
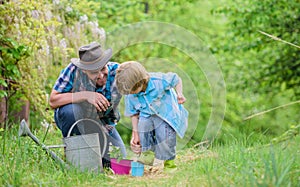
(231, 164)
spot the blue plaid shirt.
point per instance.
(159, 99)
(72, 79)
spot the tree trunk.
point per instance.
(17, 115)
(3, 110)
(23, 113)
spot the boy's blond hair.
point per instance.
(128, 75)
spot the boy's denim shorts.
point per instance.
(158, 136)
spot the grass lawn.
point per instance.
(233, 164)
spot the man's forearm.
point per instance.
(59, 99)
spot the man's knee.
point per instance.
(67, 116)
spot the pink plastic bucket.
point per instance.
(120, 168)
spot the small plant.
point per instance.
(115, 152)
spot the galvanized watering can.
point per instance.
(84, 151)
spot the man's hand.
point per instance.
(98, 100)
(109, 127)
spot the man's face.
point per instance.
(98, 76)
(102, 76)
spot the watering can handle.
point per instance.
(86, 119)
(72, 127)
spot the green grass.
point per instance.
(232, 163)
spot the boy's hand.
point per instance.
(136, 148)
(181, 99)
(135, 144)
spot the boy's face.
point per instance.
(139, 87)
(98, 76)
(137, 90)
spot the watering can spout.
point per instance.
(24, 129)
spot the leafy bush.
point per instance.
(48, 35)
(274, 66)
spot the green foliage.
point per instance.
(52, 31)
(20, 24)
(115, 152)
(47, 40)
(176, 12)
(10, 54)
(113, 14)
(74, 11)
(274, 66)
(26, 164)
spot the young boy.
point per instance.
(156, 110)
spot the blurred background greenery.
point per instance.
(39, 38)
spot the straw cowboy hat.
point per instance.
(92, 57)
